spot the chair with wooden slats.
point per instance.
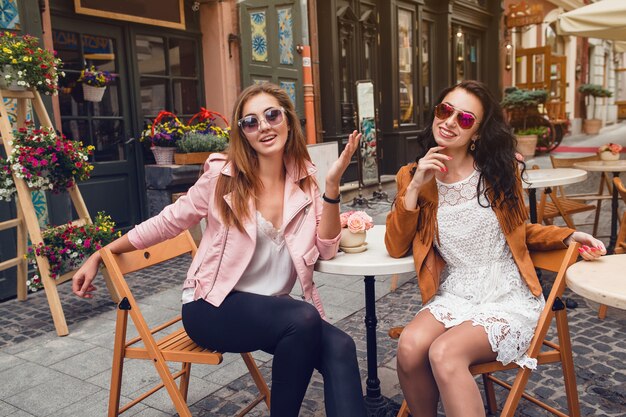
(556, 261)
(174, 346)
(581, 198)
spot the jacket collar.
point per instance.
(294, 198)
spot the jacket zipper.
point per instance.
(301, 221)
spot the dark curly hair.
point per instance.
(494, 156)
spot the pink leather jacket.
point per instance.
(224, 251)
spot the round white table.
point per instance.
(602, 280)
(374, 261)
(546, 178)
(614, 167)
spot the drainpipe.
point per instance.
(307, 76)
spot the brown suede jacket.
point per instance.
(414, 230)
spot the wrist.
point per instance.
(332, 191)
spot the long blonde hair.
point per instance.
(243, 182)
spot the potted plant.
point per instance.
(24, 64)
(354, 224)
(162, 136)
(592, 126)
(94, 83)
(195, 147)
(522, 106)
(68, 245)
(610, 151)
(45, 161)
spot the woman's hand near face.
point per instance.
(590, 249)
(339, 166)
(427, 166)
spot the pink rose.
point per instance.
(343, 218)
(356, 224)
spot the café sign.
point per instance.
(522, 14)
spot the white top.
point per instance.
(374, 261)
(603, 166)
(602, 280)
(270, 271)
(481, 282)
(539, 178)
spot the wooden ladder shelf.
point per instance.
(26, 221)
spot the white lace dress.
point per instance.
(481, 281)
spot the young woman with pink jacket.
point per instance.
(266, 226)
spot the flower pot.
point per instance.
(191, 158)
(350, 239)
(94, 94)
(592, 126)
(163, 155)
(527, 144)
(609, 156)
(10, 84)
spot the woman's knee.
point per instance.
(444, 359)
(412, 351)
(305, 319)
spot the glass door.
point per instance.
(104, 124)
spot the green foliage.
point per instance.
(201, 142)
(594, 91)
(516, 98)
(536, 130)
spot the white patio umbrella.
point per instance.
(605, 19)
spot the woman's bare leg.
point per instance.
(413, 367)
(450, 358)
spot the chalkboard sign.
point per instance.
(168, 13)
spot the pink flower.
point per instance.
(343, 218)
(356, 221)
(614, 148)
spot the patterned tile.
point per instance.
(285, 36)
(290, 88)
(9, 15)
(258, 27)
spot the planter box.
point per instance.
(193, 158)
(526, 145)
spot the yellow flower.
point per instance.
(14, 61)
(7, 50)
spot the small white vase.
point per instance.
(351, 240)
(609, 156)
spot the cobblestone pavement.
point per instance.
(599, 355)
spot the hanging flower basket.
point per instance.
(163, 155)
(93, 94)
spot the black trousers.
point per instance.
(300, 340)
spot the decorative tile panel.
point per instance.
(41, 207)
(290, 88)
(9, 15)
(285, 36)
(259, 81)
(258, 33)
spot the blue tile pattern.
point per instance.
(9, 15)
(285, 36)
(290, 88)
(258, 33)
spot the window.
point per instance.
(100, 124)
(169, 76)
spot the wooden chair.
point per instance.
(557, 261)
(558, 206)
(173, 346)
(597, 197)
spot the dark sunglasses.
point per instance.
(252, 124)
(464, 119)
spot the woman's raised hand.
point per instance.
(432, 162)
(339, 166)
